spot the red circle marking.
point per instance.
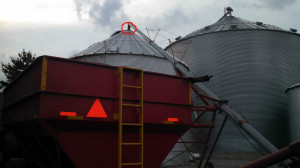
(128, 33)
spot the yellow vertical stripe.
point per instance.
(44, 73)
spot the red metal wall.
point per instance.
(73, 86)
(102, 148)
(164, 96)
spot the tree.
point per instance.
(17, 65)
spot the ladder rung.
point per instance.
(132, 124)
(131, 143)
(131, 86)
(133, 105)
(131, 164)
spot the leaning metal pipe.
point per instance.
(237, 118)
(270, 159)
(275, 157)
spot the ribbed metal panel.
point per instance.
(293, 94)
(147, 63)
(229, 23)
(127, 50)
(122, 44)
(251, 69)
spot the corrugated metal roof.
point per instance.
(228, 23)
(122, 44)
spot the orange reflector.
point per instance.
(63, 113)
(173, 119)
(97, 110)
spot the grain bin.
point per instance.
(127, 50)
(252, 64)
(293, 94)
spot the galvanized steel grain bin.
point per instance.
(252, 64)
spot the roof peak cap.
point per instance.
(227, 11)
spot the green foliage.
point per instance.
(16, 66)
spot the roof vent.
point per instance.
(293, 30)
(178, 38)
(206, 27)
(233, 27)
(259, 23)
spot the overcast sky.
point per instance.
(65, 27)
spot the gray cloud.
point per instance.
(110, 13)
(273, 4)
(176, 16)
(171, 20)
(54, 40)
(169, 23)
(278, 3)
(2, 56)
(79, 7)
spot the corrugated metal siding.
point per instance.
(147, 63)
(293, 94)
(251, 69)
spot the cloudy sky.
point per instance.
(63, 28)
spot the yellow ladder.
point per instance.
(139, 124)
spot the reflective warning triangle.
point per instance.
(97, 110)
